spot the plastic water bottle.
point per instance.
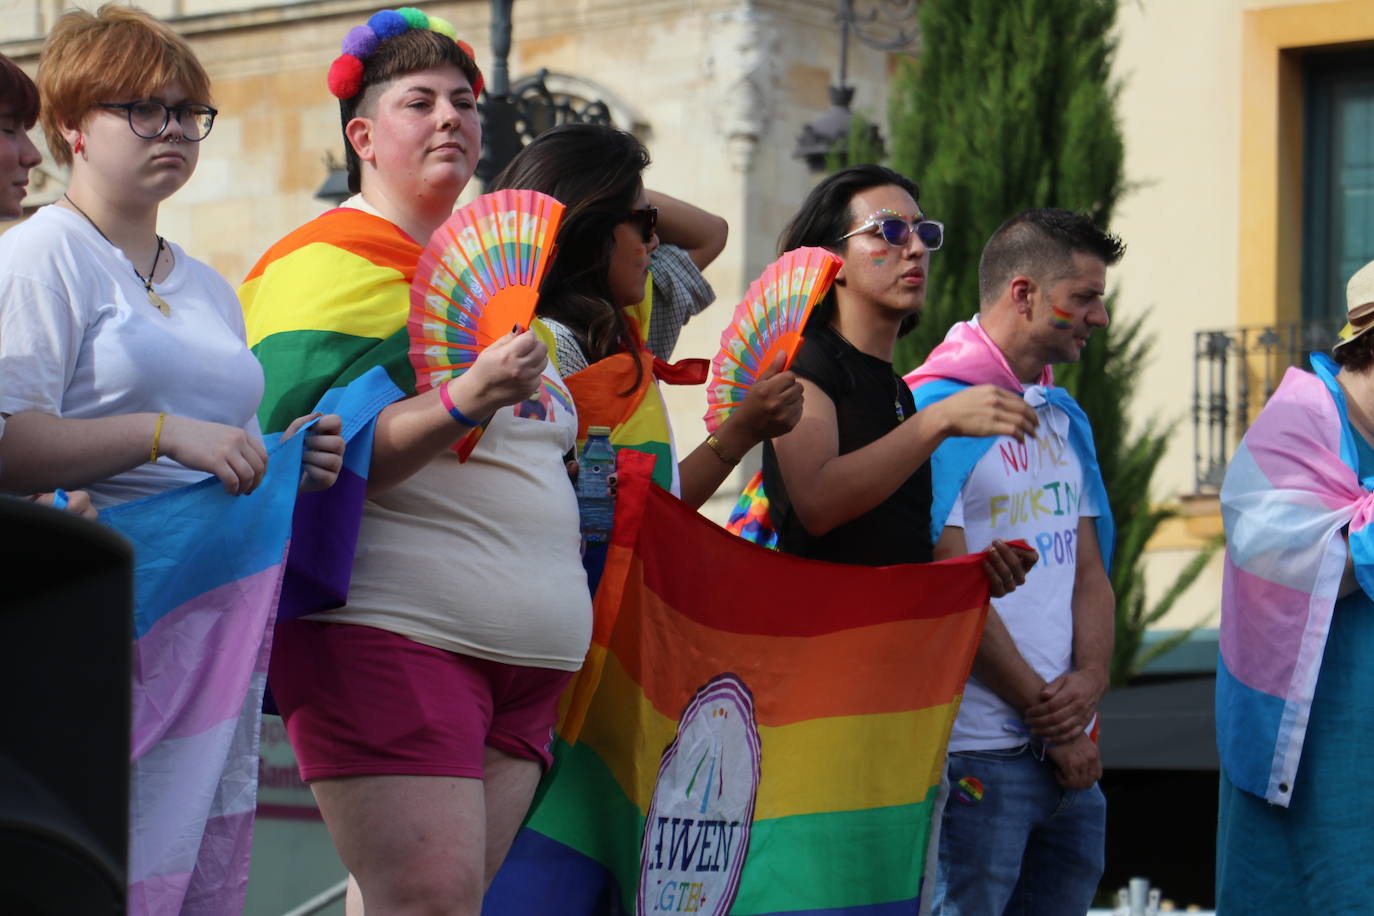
(595, 464)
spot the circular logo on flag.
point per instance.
(697, 832)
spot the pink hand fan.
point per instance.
(769, 321)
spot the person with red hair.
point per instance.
(124, 368)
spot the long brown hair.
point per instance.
(594, 171)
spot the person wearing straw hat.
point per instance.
(1295, 685)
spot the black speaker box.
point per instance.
(66, 623)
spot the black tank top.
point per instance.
(870, 401)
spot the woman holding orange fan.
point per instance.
(421, 710)
(594, 299)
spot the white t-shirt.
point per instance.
(1033, 491)
(483, 558)
(79, 339)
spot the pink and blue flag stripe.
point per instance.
(1290, 490)
(209, 569)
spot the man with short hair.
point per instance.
(1023, 825)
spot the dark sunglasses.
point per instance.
(646, 219)
(897, 231)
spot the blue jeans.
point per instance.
(1013, 842)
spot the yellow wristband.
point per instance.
(157, 435)
(714, 445)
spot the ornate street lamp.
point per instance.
(512, 116)
(887, 25)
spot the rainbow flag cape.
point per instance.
(620, 392)
(208, 572)
(752, 733)
(323, 307)
(1290, 489)
(326, 304)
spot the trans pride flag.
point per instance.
(209, 568)
(752, 733)
(968, 356)
(1290, 489)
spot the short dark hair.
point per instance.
(1357, 355)
(18, 93)
(825, 216)
(596, 172)
(1041, 244)
(409, 52)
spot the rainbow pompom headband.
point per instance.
(346, 73)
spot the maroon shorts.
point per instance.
(359, 701)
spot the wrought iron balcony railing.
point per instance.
(1234, 372)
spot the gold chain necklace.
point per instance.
(153, 298)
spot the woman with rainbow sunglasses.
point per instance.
(421, 710)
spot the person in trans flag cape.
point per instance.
(1024, 818)
(1294, 679)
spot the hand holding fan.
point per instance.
(478, 277)
(769, 321)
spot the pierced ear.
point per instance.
(73, 137)
(359, 134)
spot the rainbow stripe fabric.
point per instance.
(208, 573)
(326, 304)
(804, 707)
(1290, 489)
(750, 519)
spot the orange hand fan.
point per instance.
(769, 321)
(478, 277)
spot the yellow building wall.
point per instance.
(1211, 113)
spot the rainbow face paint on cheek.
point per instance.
(1060, 318)
(879, 258)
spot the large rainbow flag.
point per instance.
(208, 573)
(752, 733)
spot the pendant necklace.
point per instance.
(153, 298)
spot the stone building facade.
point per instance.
(718, 89)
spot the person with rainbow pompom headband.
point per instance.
(421, 710)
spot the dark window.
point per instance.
(1338, 178)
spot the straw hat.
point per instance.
(1359, 305)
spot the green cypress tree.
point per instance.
(1011, 105)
